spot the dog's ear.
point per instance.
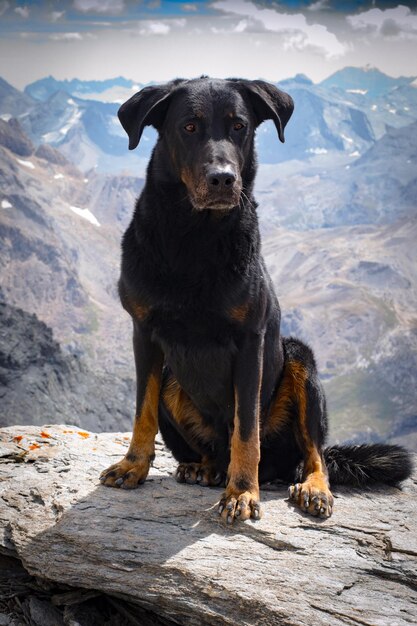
(269, 103)
(146, 108)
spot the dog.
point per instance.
(237, 404)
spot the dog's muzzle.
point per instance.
(218, 188)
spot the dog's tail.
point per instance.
(367, 463)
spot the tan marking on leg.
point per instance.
(185, 413)
(280, 410)
(241, 497)
(313, 494)
(133, 469)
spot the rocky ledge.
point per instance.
(163, 548)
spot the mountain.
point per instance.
(40, 384)
(88, 132)
(320, 124)
(12, 101)
(368, 81)
(59, 259)
(374, 188)
(43, 89)
(351, 293)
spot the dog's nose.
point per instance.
(221, 178)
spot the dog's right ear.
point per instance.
(146, 108)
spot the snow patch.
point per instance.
(5, 204)
(348, 139)
(317, 150)
(393, 111)
(70, 101)
(355, 154)
(59, 176)
(5, 117)
(28, 164)
(361, 91)
(55, 136)
(86, 214)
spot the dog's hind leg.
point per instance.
(302, 386)
(191, 440)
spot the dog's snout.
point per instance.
(221, 178)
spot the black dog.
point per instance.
(235, 402)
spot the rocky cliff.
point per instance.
(163, 547)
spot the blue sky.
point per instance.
(155, 40)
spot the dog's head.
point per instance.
(206, 128)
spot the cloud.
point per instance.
(66, 37)
(393, 23)
(189, 6)
(159, 28)
(54, 16)
(23, 11)
(320, 5)
(99, 6)
(298, 33)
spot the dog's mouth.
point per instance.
(216, 202)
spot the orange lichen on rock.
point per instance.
(45, 435)
(83, 434)
(18, 438)
(34, 446)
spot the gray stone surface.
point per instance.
(163, 546)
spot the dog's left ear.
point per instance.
(146, 108)
(269, 103)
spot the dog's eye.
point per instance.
(190, 128)
(238, 126)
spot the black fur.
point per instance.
(202, 302)
(367, 463)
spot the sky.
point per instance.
(157, 40)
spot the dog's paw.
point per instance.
(239, 506)
(126, 474)
(199, 473)
(312, 497)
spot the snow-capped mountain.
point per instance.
(89, 89)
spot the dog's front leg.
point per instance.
(133, 469)
(241, 497)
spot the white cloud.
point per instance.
(99, 6)
(298, 34)
(23, 11)
(159, 28)
(188, 6)
(154, 28)
(66, 37)
(318, 6)
(54, 16)
(399, 22)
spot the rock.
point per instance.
(48, 153)
(163, 547)
(13, 137)
(38, 380)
